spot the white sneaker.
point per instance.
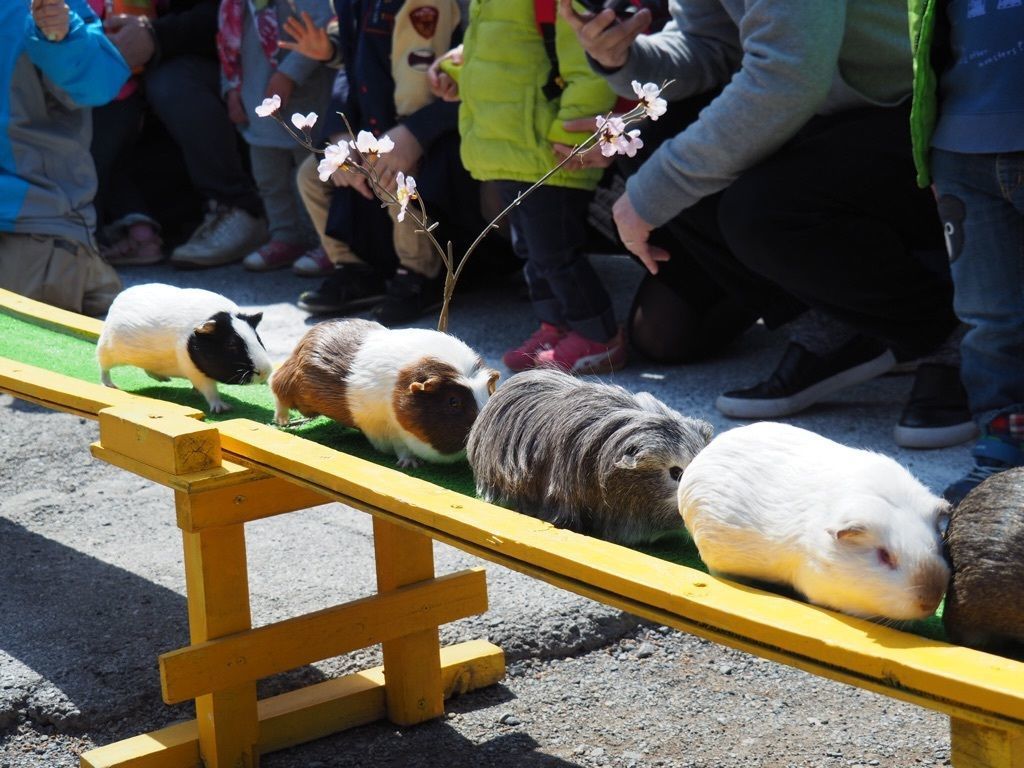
(225, 236)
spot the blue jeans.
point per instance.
(549, 232)
(981, 204)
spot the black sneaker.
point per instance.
(803, 378)
(936, 413)
(349, 288)
(410, 295)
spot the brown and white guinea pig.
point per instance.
(985, 543)
(183, 332)
(849, 529)
(591, 457)
(412, 392)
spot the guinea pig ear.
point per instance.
(207, 326)
(492, 382)
(852, 533)
(431, 384)
(253, 319)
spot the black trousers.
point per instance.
(832, 220)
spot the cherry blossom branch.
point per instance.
(611, 136)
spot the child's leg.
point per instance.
(274, 171)
(982, 213)
(415, 251)
(981, 205)
(564, 288)
(316, 197)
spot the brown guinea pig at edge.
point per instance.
(413, 392)
(985, 544)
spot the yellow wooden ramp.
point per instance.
(227, 474)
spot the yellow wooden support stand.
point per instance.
(214, 499)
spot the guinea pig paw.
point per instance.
(409, 462)
(219, 406)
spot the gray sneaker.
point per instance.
(225, 236)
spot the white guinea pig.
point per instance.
(849, 529)
(412, 392)
(183, 332)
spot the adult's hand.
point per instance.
(51, 16)
(635, 234)
(604, 36)
(405, 157)
(441, 83)
(592, 158)
(133, 37)
(310, 40)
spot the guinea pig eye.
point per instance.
(454, 403)
(675, 473)
(885, 557)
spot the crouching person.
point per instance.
(61, 64)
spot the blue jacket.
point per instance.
(47, 177)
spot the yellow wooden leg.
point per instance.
(979, 746)
(218, 604)
(412, 664)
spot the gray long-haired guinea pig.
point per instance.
(412, 392)
(183, 332)
(985, 543)
(849, 529)
(591, 457)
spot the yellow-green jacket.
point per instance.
(506, 123)
(923, 111)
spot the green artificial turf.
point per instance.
(46, 348)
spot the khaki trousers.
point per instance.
(57, 271)
(414, 249)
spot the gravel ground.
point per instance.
(93, 590)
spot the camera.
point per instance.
(623, 8)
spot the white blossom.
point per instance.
(304, 122)
(615, 140)
(630, 142)
(368, 144)
(269, 106)
(405, 193)
(335, 156)
(649, 95)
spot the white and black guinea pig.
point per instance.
(183, 332)
(413, 392)
(591, 457)
(847, 528)
(985, 542)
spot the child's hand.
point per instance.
(592, 158)
(282, 85)
(236, 110)
(51, 16)
(310, 41)
(405, 157)
(441, 83)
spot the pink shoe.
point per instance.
(578, 354)
(140, 245)
(524, 356)
(313, 263)
(276, 254)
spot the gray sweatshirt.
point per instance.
(784, 61)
